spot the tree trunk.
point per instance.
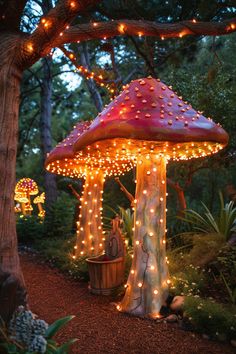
(12, 287)
(89, 234)
(45, 131)
(85, 61)
(147, 286)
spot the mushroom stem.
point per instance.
(23, 208)
(89, 227)
(147, 286)
(40, 207)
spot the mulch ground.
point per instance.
(99, 327)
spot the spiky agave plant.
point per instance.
(223, 224)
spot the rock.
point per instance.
(205, 336)
(172, 318)
(233, 343)
(177, 303)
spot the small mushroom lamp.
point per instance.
(39, 200)
(25, 187)
(150, 124)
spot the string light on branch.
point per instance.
(88, 74)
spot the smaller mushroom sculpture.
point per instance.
(150, 124)
(25, 187)
(64, 160)
(39, 200)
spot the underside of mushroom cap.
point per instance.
(62, 160)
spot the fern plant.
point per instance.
(223, 224)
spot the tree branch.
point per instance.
(110, 29)
(51, 26)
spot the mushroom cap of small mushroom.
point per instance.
(20, 197)
(61, 159)
(39, 199)
(149, 116)
(26, 186)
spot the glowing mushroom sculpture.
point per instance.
(39, 200)
(62, 160)
(26, 187)
(150, 124)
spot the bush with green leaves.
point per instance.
(29, 228)
(28, 334)
(59, 221)
(211, 318)
(58, 252)
(190, 281)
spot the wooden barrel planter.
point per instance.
(105, 274)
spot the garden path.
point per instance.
(99, 327)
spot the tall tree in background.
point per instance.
(19, 50)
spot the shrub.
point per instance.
(28, 334)
(59, 221)
(29, 228)
(190, 282)
(58, 252)
(211, 318)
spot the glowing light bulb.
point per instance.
(155, 292)
(137, 242)
(140, 285)
(132, 271)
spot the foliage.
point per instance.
(28, 334)
(224, 267)
(127, 217)
(211, 318)
(222, 225)
(190, 281)
(29, 228)
(58, 252)
(60, 220)
(204, 248)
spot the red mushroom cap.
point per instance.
(149, 112)
(61, 159)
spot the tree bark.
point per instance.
(147, 286)
(12, 287)
(89, 227)
(45, 132)
(86, 32)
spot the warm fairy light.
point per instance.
(233, 26)
(151, 234)
(162, 38)
(118, 307)
(140, 285)
(132, 271)
(95, 24)
(155, 292)
(140, 34)
(137, 242)
(121, 28)
(168, 281)
(72, 4)
(194, 20)
(152, 267)
(30, 47)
